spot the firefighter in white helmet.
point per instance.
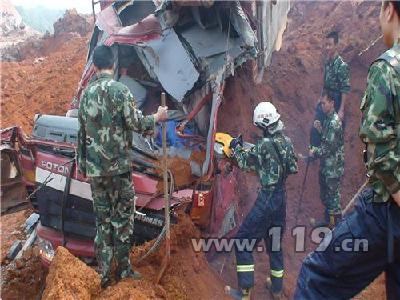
(273, 159)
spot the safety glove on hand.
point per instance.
(237, 141)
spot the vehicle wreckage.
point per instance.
(186, 49)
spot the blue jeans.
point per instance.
(339, 274)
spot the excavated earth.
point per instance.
(41, 86)
(293, 82)
(187, 276)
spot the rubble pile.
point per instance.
(23, 278)
(12, 229)
(70, 278)
(181, 170)
(187, 276)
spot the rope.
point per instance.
(370, 45)
(161, 236)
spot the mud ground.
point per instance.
(187, 276)
(22, 278)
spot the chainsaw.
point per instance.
(223, 142)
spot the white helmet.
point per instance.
(265, 114)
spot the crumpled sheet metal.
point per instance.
(242, 25)
(169, 61)
(210, 42)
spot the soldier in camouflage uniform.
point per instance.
(107, 115)
(331, 154)
(273, 159)
(336, 82)
(341, 272)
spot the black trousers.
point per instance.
(342, 272)
(266, 221)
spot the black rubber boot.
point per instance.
(105, 282)
(130, 274)
(276, 295)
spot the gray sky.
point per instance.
(82, 6)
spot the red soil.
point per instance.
(23, 278)
(186, 277)
(45, 87)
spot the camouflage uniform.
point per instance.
(380, 113)
(337, 78)
(336, 82)
(331, 153)
(273, 159)
(341, 274)
(107, 114)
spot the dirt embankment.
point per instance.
(46, 79)
(186, 277)
(43, 85)
(72, 22)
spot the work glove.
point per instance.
(318, 126)
(237, 141)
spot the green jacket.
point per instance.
(107, 115)
(272, 158)
(331, 151)
(337, 75)
(380, 109)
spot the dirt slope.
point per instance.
(187, 276)
(46, 85)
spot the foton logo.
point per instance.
(149, 220)
(54, 167)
